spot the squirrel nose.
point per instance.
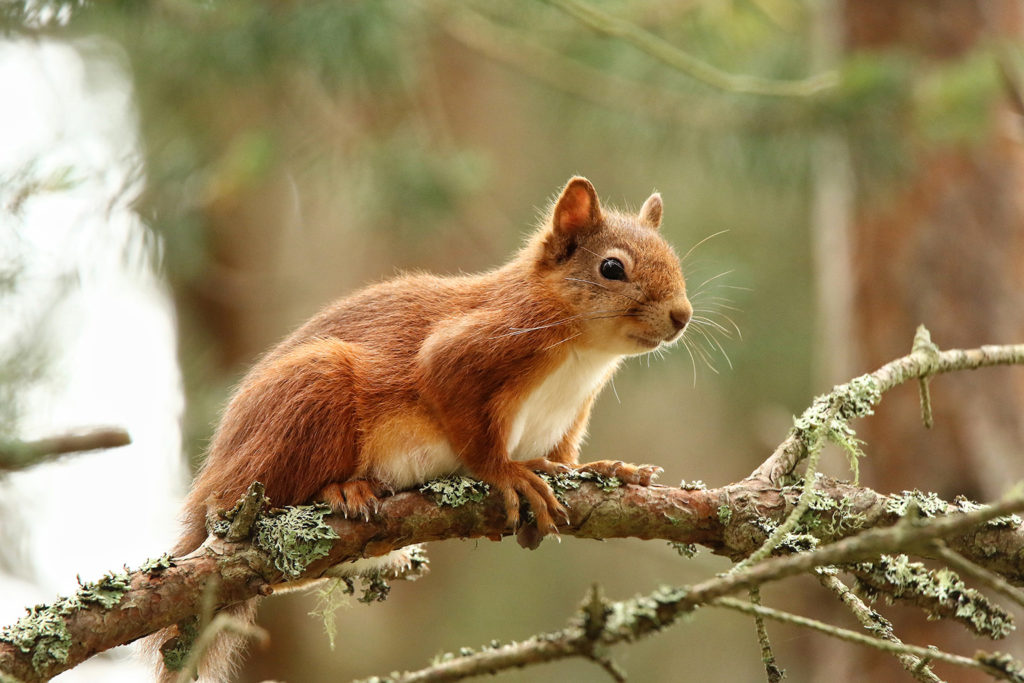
(679, 317)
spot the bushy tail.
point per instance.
(220, 660)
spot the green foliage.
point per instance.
(954, 101)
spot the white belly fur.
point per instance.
(408, 456)
(550, 410)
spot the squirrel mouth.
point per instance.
(645, 341)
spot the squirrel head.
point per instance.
(614, 270)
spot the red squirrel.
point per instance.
(418, 377)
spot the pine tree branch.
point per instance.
(850, 523)
(980, 661)
(876, 624)
(917, 365)
(20, 455)
(672, 56)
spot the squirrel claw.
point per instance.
(353, 499)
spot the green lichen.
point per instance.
(455, 490)
(329, 599)
(176, 650)
(107, 592)
(964, 504)
(695, 485)
(829, 516)
(622, 617)
(1001, 665)
(294, 537)
(684, 549)
(927, 504)
(940, 592)
(570, 481)
(43, 633)
(158, 565)
(375, 589)
(724, 515)
(829, 415)
(793, 542)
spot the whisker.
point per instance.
(615, 391)
(711, 339)
(720, 232)
(708, 322)
(561, 342)
(703, 355)
(702, 285)
(728, 319)
(581, 316)
(693, 362)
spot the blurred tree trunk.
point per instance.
(945, 249)
(943, 245)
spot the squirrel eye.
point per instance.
(612, 269)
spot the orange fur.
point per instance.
(421, 376)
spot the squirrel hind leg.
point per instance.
(354, 498)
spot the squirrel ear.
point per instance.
(577, 208)
(650, 212)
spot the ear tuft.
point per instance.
(650, 212)
(577, 209)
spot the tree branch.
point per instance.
(916, 365)
(847, 524)
(168, 591)
(667, 53)
(20, 455)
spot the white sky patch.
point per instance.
(108, 323)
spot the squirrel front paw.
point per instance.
(642, 475)
(517, 480)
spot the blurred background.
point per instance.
(183, 182)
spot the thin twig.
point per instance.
(771, 669)
(865, 545)
(859, 638)
(875, 624)
(917, 364)
(606, 89)
(802, 505)
(667, 53)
